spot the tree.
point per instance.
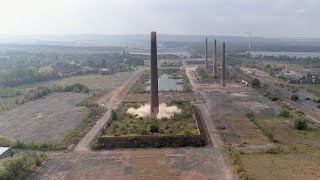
(294, 97)
(255, 83)
(114, 115)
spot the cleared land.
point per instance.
(51, 117)
(45, 119)
(182, 163)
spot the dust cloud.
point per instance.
(164, 111)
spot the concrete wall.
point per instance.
(156, 141)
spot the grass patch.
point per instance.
(19, 165)
(265, 130)
(234, 158)
(183, 123)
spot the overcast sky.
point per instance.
(269, 18)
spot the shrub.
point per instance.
(19, 165)
(6, 141)
(301, 123)
(294, 97)
(153, 128)
(255, 83)
(316, 100)
(274, 99)
(307, 98)
(114, 115)
(318, 106)
(285, 113)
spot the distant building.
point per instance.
(5, 152)
(105, 71)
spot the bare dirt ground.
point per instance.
(181, 163)
(234, 100)
(45, 119)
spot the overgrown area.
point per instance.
(128, 125)
(19, 165)
(296, 140)
(314, 88)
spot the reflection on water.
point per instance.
(166, 83)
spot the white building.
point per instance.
(4, 152)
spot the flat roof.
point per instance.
(3, 149)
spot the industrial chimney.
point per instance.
(206, 54)
(154, 106)
(215, 59)
(223, 73)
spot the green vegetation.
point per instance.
(128, 125)
(140, 86)
(274, 99)
(314, 88)
(16, 77)
(12, 97)
(267, 131)
(273, 71)
(186, 83)
(255, 83)
(234, 158)
(113, 115)
(285, 113)
(301, 123)
(294, 97)
(299, 148)
(19, 165)
(204, 73)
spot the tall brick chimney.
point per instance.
(154, 106)
(223, 73)
(215, 58)
(206, 54)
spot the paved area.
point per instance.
(181, 163)
(45, 119)
(110, 101)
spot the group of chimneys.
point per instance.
(215, 59)
(154, 105)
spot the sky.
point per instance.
(266, 18)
